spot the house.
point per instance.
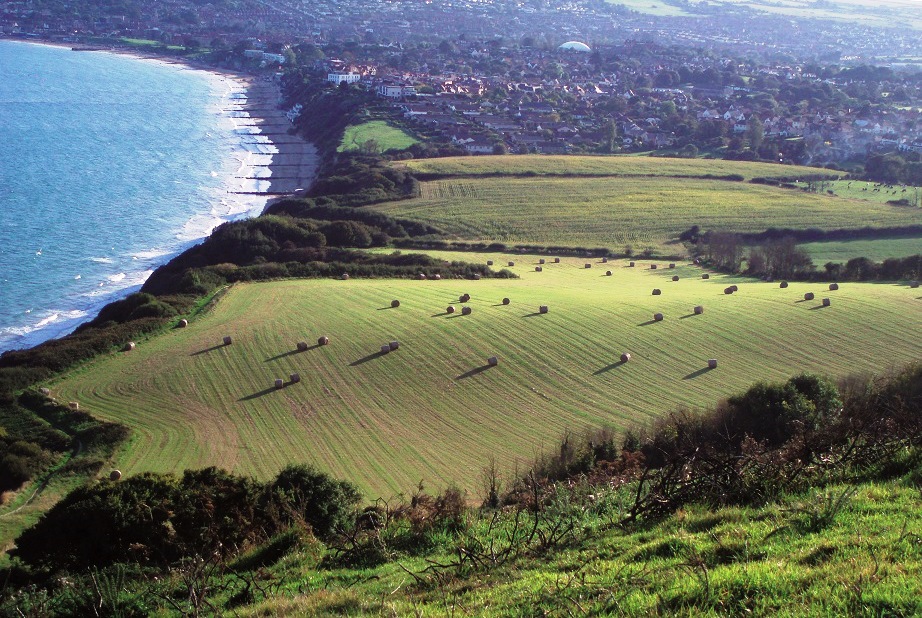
(338, 78)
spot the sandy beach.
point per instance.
(294, 166)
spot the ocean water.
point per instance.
(109, 165)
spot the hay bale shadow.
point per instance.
(647, 323)
(820, 307)
(472, 372)
(695, 374)
(388, 307)
(365, 359)
(259, 394)
(531, 315)
(802, 300)
(690, 315)
(207, 350)
(438, 315)
(609, 367)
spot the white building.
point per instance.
(338, 78)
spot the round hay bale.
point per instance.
(914, 284)
(464, 298)
(699, 310)
(489, 262)
(511, 264)
(541, 261)
(652, 266)
(675, 277)
(728, 290)
(631, 264)
(538, 269)
(588, 265)
(608, 273)
(302, 346)
(557, 260)
(394, 345)
(466, 311)
(476, 277)
(705, 276)
(605, 260)
(395, 303)
(182, 323)
(506, 301)
(492, 361)
(344, 276)
(783, 284)
(228, 340)
(625, 357)
(735, 288)
(826, 302)
(422, 276)
(129, 346)
(450, 309)
(385, 348)
(657, 291)
(115, 475)
(279, 383)
(543, 309)
(73, 405)
(833, 286)
(657, 317)
(44, 391)
(809, 296)
(323, 341)
(436, 277)
(712, 363)
(294, 378)
(672, 265)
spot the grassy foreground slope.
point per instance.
(617, 201)
(433, 410)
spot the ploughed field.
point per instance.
(433, 409)
(613, 202)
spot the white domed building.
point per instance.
(575, 46)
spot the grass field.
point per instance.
(614, 212)
(433, 410)
(879, 13)
(875, 250)
(861, 190)
(386, 136)
(567, 165)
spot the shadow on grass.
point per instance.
(365, 359)
(695, 374)
(386, 308)
(609, 367)
(207, 350)
(531, 315)
(820, 307)
(292, 352)
(438, 315)
(261, 393)
(690, 315)
(472, 372)
(647, 323)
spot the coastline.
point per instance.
(266, 163)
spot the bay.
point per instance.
(109, 165)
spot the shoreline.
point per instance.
(291, 167)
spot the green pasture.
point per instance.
(384, 135)
(612, 212)
(878, 13)
(874, 250)
(433, 410)
(587, 165)
(862, 190)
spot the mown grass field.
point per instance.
(612, 212)
(433, 410)
(576, 165)
(382, 133)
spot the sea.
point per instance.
(110, 165)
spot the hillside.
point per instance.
(432, 409)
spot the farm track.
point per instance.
(432, 410)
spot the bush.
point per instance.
(325, 503)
